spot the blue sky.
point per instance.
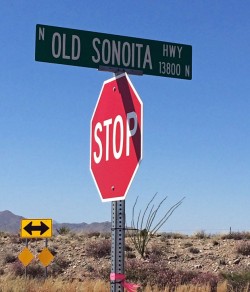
(196, 133)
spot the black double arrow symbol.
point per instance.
(30, 228)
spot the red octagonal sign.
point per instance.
(116, 138)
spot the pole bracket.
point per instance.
(120, 70)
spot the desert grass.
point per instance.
(222, 287)
(20, 284)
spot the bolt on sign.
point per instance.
(36, 228)
(107, 51)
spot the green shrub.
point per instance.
(63, 230)
(144, 227)
(237, 281)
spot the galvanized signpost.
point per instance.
(112, 135)
(117, 244)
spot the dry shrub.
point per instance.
(160, 275)
(9, 258)
(171, 235)
(93, 234)
(201, 235)
(187, 244)
(236, 235)
(17, 269)
(193, 288)
(99, 249)
(35, 270)
(194, 250)
(16, 239)
(155, 254)
(59, 265)
(18, 284)
(244, 248)
(222, 287)
(206, 278)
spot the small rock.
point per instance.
(172, 257)
(222, 262)
(236, 262)
(198, 266)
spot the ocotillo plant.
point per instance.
(143, 228)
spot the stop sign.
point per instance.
(116, 132)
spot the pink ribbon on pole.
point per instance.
(121, 277)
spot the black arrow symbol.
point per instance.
(42, 228)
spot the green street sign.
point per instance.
(112, 52)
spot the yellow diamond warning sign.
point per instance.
(25, 256)
(36, 228)
(45, 257)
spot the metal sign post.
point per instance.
(117, 243)
(46, 269)
(26, 245)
